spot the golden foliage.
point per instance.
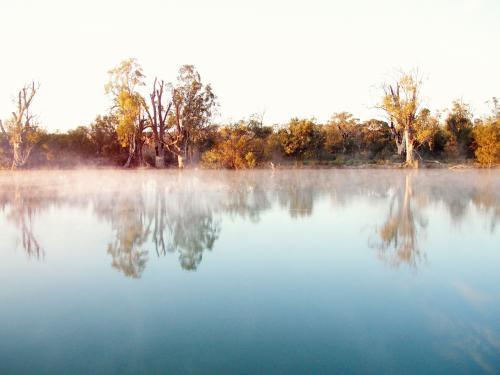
(487, 138)
(401, 100)
(236, 148)
(129, 110)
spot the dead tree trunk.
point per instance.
(22, 132)
(409, 148)
(157, 115)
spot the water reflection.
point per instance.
(184, 227)
(152, 214)
(403, 227)
(20, 207)
(131, 229)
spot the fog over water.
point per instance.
(258, 271)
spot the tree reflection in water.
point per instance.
(145, 217)
(21, 207)
(185, 227)
(400, 233)
(181, 213)
(132, 229)
(299, 199)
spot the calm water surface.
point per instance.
(250, 272)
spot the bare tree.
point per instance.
(22, 130)
(157, 115)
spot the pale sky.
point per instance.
(287, 58)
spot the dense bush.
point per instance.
(301, 139)
(236, 147)
(487, 142)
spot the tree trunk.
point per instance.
(180, 161)
(160, 156)
(409, 148)
(139, 157)
(131, 152)
(400, 145)
(15, 156)
(130, 156)
(159, 162)
(182, 156)
(20, 153)
(186, 153)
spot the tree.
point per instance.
(487, 139)
(22, 131)
(334, 143)
(193, 105)
(427, 129)
(301, 138)
(347, 126)
(157, 115)
(495, 107)
(376, 139)
(400, 102)
(459, 125)
(123, 84)
(237, 147)
(5, 158)
(103, 135)
(79, 141)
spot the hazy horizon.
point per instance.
(286, 59)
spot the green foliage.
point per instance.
(104, 136)
(5, 152)
(93, 144)
(127, 76)
(193, 106)
(376, 139)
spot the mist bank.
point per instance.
(180, 212)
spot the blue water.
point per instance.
(307, 271)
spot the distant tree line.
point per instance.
(172, 124)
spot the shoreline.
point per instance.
(286, 166)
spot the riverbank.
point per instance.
(305, 164)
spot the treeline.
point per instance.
(172, 124)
